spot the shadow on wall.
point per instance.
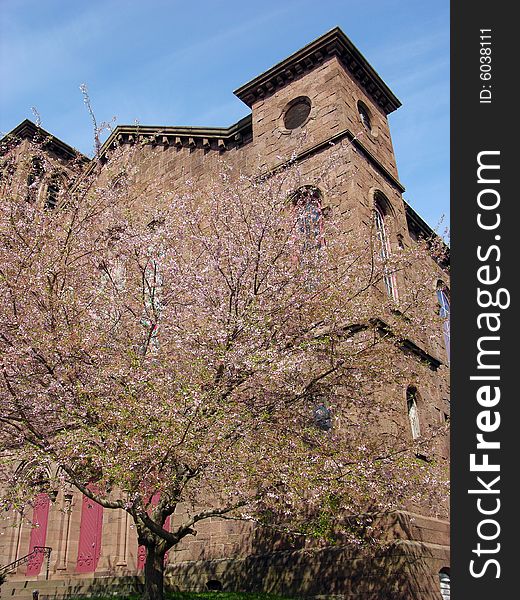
(403, 571)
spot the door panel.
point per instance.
(141, 550)
(90, 531)
(38, 533)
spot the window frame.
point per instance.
(53, 191)
(385, 250)
(444, 578)
(35, 178)
(412, 410)
(364, 116)
(290, 107)
(443, 302)
(308, 224)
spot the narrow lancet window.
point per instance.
(384, 249)
(413, 413)
(443, 298)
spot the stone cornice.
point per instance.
(29, 130)
(409, 346)
(208, 138)
(337, 138)
(332, 43)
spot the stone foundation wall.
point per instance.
(408, 571)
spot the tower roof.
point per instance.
(332, 43)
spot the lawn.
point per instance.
(222, 596)
(200, 596)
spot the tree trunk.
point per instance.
(154, 572)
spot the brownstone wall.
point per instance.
(334, 96)
(234, 552)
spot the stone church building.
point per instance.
(328, 90)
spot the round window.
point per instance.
(364, 116)
(297, 112)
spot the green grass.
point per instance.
(200, 596)
(223, 596)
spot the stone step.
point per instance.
(58, 589)
(91, 581)
(66, 595)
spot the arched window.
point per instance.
(380, 213)
(152, 283)
(34, 178)
(444, 583)
(443, 298)
(322, 417)
(364, 115)
(53, 191)
(309, 216)
(413, 413)
(320, 409)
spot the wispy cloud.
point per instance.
(175, 62)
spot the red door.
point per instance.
(141, 550)
(38, 533)
(90, 531)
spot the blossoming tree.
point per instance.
(229, 347)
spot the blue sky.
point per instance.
(170, 62)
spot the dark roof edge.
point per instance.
(157, 131)
(29, 130)
(334, 42)
(418, 221)
(414, 219)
